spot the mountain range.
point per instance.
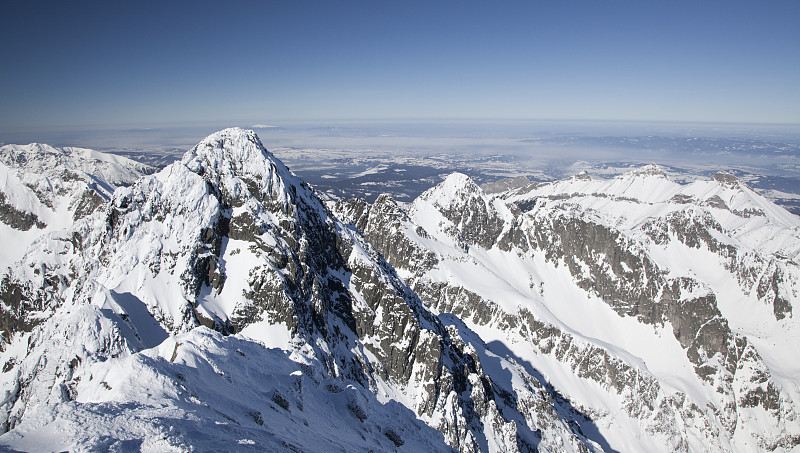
(220, 303)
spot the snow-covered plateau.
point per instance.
(220, 304)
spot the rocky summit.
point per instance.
(220, 304)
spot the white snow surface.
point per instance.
(49, 183)
(515, 280)
(196, 392)
(117, 364)
(634, 197)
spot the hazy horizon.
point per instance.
(411, 136)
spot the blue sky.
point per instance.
(148, 63)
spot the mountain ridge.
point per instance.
(611, 254)
(580, 315)
(252, 250)
(44, 189)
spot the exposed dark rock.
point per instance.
(381, 224)
(726, 179)
(394, 437)
(17, 219)
(88, 203)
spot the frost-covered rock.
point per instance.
(219, 304)
(43, 189)
(663, 312)
(98, 318)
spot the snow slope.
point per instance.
(107, 341)
(219, 304)
(45, 189)
(664, 311)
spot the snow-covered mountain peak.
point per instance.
(70, 163)
(235, 161)
(457, 192)
(111, 311)
(648, 184)
(649, 170)
(231, 152)
(44, 189)
(582, 176)
(619, 285)
(459, 212)
(645, 185)
(233, 149)
(455, 186)
(30, 154)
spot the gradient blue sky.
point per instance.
(148, 63)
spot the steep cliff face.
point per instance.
(229, 239)
(219, 304)
(663, 311)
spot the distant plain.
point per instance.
(404, 158)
